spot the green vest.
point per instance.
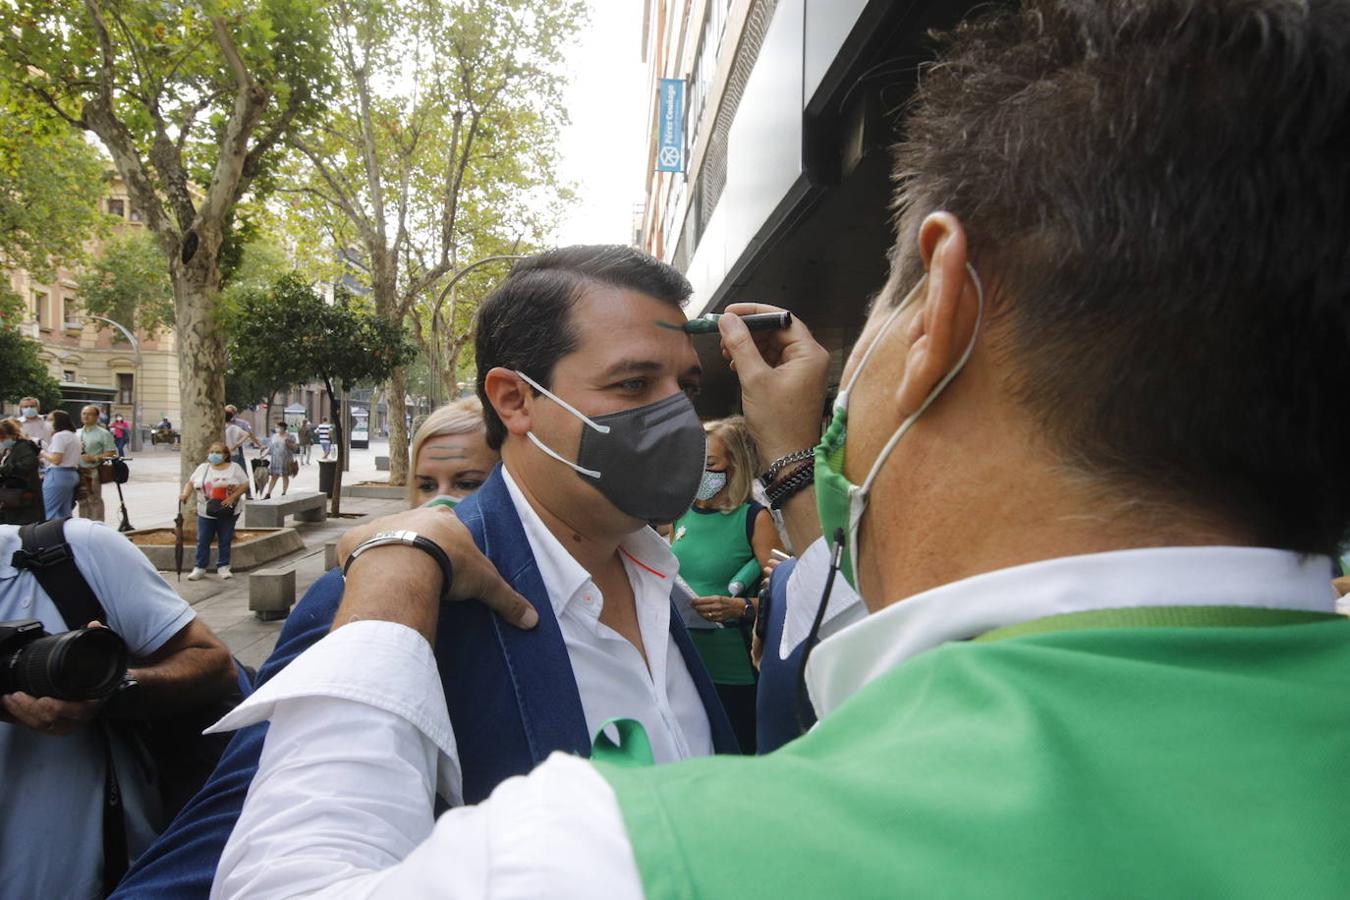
(713, 551)
(1172, 757)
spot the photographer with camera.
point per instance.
(69, 826)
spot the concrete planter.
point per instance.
(252, 547)
(375, 490)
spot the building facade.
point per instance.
(790, 108)
(94, 361)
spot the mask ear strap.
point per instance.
(862, 363)
(603, 429)
(937, 389)
(551, 452)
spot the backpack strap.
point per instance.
(48, 556)
(46, 553)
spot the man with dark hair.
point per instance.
(1085, 451)
(587, 399)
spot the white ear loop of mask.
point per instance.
(603, 429)
(841, 401)
(937, 390)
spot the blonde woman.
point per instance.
(724, 543)
(450, 455)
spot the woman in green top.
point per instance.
(723, 543)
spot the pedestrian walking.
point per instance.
(281, 449)
(236, 436)
(63, 459)
(121, 432)
(306, 436)
(323, 432)
(98, 447)
(20, 487)
(219, 484)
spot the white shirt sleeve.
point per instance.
(341, 805)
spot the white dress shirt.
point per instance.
(611, 677)
(341, 804)
(805, 587)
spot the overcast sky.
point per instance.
(604, 149)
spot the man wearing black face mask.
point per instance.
(1085, 468)
(587, 399)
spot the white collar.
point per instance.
(1170, 576)
(562, 575)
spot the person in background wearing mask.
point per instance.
(281, 449)
(19, 483)
(724, 543)
(606, 443)
(450, 454)
(63, 459)
(218, 483)
(97, 447)
(35, 427)
(306, 436)
(1085, 469)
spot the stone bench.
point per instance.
(303, 507)
(271, 593)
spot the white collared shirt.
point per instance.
(340, 803)
(611, 677)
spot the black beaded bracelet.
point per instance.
(783, 462)
(783, 491)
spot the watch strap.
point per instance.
(407, 539)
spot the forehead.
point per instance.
(615, 324)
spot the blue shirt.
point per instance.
(51, 806)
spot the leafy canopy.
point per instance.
(127, 282)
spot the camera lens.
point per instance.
(84, 664)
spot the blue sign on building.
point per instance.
(670, 143)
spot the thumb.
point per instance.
(737, 341)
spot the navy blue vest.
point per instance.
(777, 717)
(511, 695)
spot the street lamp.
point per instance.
(136, 386)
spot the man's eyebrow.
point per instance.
(629, 367)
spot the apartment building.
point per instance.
(778, 116)
(94, 361)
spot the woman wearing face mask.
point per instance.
(63, 460)
(724, 542)
(20, 489)
(450, 454)
(219, 483)
(281, 450)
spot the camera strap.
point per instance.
(46, 553)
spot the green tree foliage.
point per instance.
(440, 149)
(51, 181)
(127, 282)
(190, 98)
(288, 334)
(22, 372)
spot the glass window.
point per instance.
(67, 374)
(117, 208)
(44, 310)
(70, 313)
(125, 386)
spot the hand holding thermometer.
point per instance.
(776, 321)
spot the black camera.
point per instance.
(84, 664)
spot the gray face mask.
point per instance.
(647, 461)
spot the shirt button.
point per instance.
(27, 602)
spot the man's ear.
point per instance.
(508, 394)
(947, 310)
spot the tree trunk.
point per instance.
(201, 361)
(398, 427)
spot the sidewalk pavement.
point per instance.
(151, 499)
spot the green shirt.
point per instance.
(1206, 761)
(714, 549)
(96, 440)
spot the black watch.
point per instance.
(408, 539)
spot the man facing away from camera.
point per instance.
(1085, 468)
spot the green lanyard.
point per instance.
(1161, 617)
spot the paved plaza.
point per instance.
(152, 502)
